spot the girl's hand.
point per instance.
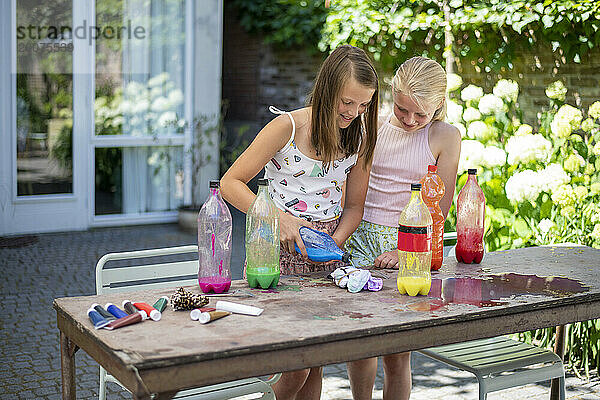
(289, 232)
(389, 259)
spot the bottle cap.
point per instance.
(263, 182)
(155, 315)
(415, 186)
(214, 184)
(346, 257)
(432, 168)
(472, 171)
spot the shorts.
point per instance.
(291, 264)
(369, 241)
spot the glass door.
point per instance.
(139, 117)
(42, 185)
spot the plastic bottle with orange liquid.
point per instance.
(414, 246)
(432, 191)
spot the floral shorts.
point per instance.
(369, 241)
(291, 264)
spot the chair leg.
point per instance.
(270, 394)
(562, 394)
(102, 389)
(483, 390)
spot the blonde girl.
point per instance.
(412, 137)
(308, 155)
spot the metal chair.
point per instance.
(499, 362)
(160, 274)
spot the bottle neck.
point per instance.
(415, 195)
(262, 189)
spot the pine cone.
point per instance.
(186, 300)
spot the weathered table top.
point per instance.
(308, 321)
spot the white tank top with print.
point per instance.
(304, 186)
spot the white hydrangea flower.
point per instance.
(524, 130)
(552, 177)
(471, 155)
(491, 104)
(493, 157)
(574, 162)
(507, 89)
(461, 128)
(175, 97)
(479, 130)
(571, 114)
(158, 79)
(167, 118)
(596, 232)
(140, 106)
(564, 195)
(528, 148)
(594, 110)
(454, 112)
(560, 127)
(545, 225)
(471, 114)
(596, 149)
(471, 92)
(160, 104)
(556, 90)
(588, 124)
(523, 186)
(454, 82)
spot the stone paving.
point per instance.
(62, 264)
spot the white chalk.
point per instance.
(238, 308)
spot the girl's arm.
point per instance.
(234, 184)
(355, 192)
(444, 141)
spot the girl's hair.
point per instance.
(328, 139)
(423, 80)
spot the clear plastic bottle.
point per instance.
(262, 240)
(470, 219)
(414, 246)
(214, 243)
(432, 191)
(321, 247)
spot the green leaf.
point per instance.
(546, 209)
(521, 228)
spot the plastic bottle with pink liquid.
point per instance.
(470, 218)
(214, 243)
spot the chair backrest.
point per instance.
(154, 274)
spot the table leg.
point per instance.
(67, 364)
(559, 349)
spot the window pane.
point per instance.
(139, 67)
(44, 98)
(133, 180)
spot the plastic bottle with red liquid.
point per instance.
(470, 219)
(432, 191)
(414, 246)
(214, 243)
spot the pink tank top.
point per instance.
(400, 158)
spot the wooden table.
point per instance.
(308, 321)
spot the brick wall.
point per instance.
(534, 72)
(285, 79)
